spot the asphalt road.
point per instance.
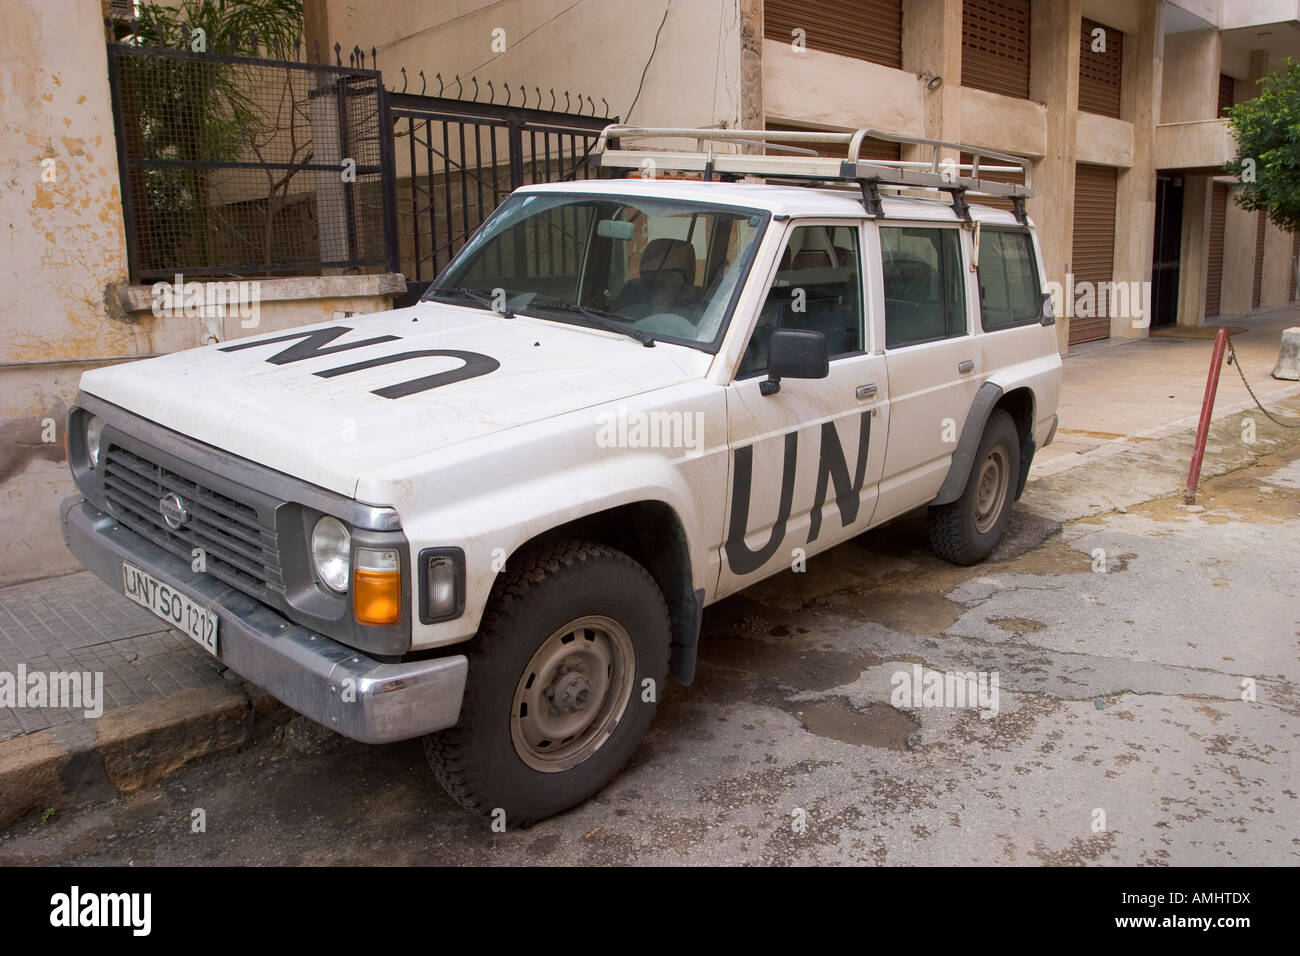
(1123, 642)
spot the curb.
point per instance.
(129, 749)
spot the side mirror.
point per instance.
(1046, 311)
(794, 353)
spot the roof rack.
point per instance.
(939, 173)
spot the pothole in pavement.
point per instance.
(876, 725)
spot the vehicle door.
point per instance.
(932, 356)
(807, 459)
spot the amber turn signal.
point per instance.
(377, 587)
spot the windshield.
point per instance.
(650, 268)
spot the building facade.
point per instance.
(1119, 104)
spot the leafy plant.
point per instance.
(195, 110)
(1268, 147)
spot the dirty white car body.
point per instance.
(453, 431)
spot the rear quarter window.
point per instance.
(1008, 279)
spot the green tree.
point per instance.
(1268, 147)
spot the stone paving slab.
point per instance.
(77, 623)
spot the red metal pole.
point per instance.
(1207, 409)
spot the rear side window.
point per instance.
(924, 286)
(1009, 291)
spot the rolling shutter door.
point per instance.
(870, 148)
(995, 46)
(863, 29)
(1261, 220)
(1099, 73)
(1093, 259)
(1214, 267)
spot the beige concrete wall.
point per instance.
(824, 88)
(1189, 145)
(932, 47)
(1191, 77)
(1054, 81)
(62, 249)
(1103, 140)
(1121, 15)
(1246, 13)
(598, 48)
(1142, 79)
(1211, 11)
(1004, 122)
(1277, 267)
(1238, 259)
(1194, 249)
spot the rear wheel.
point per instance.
(563, 679)
(967, 530)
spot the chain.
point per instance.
(1232, 360)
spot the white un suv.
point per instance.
(494, 519)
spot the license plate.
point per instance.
(182, 613)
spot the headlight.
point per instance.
(94, 429)
(331, 546)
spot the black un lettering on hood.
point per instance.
(316, 343)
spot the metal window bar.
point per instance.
(230, 167)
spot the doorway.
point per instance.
(1166, 250)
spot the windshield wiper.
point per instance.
(475, 295)
(602, 320)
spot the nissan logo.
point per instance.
(173, 511)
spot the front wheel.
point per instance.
(564, 676)
(967, 530)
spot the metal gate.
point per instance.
(456, 159)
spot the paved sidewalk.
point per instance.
(166, 700)
(77, 623)
(1123, 391)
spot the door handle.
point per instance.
(966, 366)
(866, 391)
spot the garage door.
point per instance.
(1214, 268)
(865, 29)
(1093, 259)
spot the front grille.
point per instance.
(239, 545)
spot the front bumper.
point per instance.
(304, 670)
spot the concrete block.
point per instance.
(1288, 359)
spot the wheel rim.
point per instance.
(991, 488)
(572, 694)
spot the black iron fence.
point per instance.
(243, 165)
(263, 166)
(456, 159)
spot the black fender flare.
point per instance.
(986, 399)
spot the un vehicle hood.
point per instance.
(262, 397)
